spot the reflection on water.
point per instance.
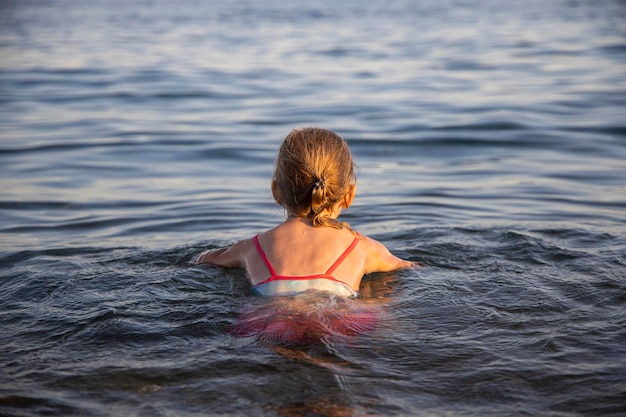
(490, 142)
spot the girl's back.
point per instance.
(297, 249)
(314, 181)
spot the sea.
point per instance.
(490, 139)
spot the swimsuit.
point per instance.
(289, 285)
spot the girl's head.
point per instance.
(314, 173)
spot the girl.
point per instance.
(313, 180)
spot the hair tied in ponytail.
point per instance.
(313, 172)
(318, 195)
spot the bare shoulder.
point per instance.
(232, 256)
(378, 257)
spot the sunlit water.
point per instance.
(491, 142)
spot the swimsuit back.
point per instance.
(287, 285)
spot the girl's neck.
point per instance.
(332, 214)
(295, 218)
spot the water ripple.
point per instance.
(490, 144)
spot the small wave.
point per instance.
(484, 126)
(131, 97)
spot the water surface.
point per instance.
(491, 142)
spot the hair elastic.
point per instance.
(321, 183)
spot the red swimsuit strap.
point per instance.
(343, 256)
(327, 274)
(270, 268)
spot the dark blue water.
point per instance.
(491, 142)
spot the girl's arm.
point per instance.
(227, 257)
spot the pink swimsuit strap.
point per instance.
(328, 274)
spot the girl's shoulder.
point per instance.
(377, 257)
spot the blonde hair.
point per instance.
(314, 171)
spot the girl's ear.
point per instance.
(349, 197)
(275, 193)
